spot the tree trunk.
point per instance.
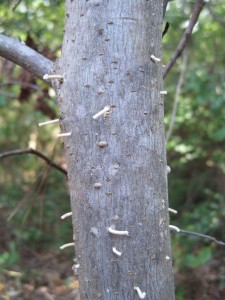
(117, 162)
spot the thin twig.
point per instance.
(25, 84)
(8, 95)
(177, 94)
(17, 4)
(186, 36)
(26, 197)
(208, 237)
(35, 152)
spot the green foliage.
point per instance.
(180, 293)
(33, 195)
(9, 257)
(40, 19)
(203, 256)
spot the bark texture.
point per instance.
(117, 164)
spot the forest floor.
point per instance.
(206, 282)
(47, 276)
(39, 276)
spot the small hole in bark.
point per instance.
(100, 31)
(129, 154)
(130, 273)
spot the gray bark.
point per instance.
(165, 2)
(123, 182)
(24, 56)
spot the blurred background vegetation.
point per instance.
(34, 196)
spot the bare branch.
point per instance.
(177, 94)
(208, 237)
(24, 56)
(35, 152)
(8, 95)
(13, 82)
(186, 36)
(17, 4)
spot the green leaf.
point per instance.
(219, 135)
(203, 256)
